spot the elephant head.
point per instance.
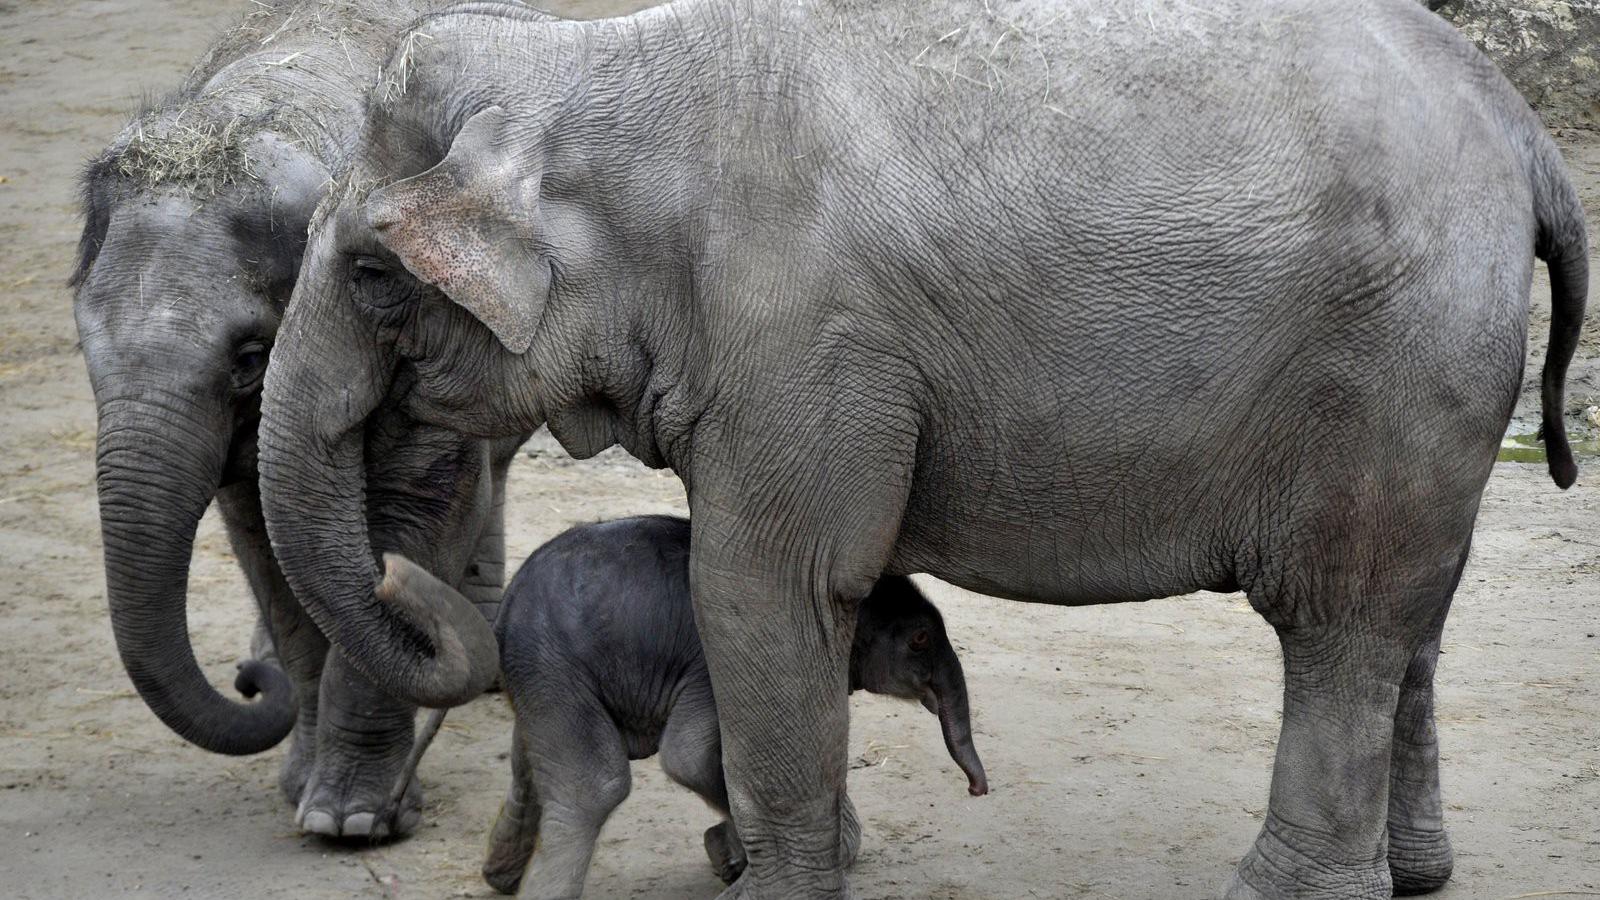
(181, 279)
(493, 240)
(901, 650)
(356, 317)
(436, 256)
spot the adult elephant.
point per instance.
(195, 224)
(1069, 302)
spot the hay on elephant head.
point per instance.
(202, 155)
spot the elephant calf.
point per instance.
(603, 664)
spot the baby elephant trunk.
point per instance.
(947, 699)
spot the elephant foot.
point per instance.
(511, 842)
(1419, 861)
(503, 878)
(1239, 889)
(348, 797)
(725, 852)
(364, 741)
(335, 815)
(1288, 864)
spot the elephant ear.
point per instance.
(466, 226)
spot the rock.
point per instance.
(1550, 49)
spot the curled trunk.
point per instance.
(154, 485)
(416, 637)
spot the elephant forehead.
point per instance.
(164, 260)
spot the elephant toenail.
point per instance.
(358, 824)
(318, 821)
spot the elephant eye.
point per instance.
(249, 363)
(920, 640)
(375, 284)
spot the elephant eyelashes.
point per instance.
(364, 266)
(365, 271)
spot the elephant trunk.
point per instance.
(154, 485)
(949, 703)
(417, 638)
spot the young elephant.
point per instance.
(603, 664)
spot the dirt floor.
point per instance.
(1128, 747)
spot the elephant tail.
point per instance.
(1563, 245)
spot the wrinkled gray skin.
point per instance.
(195, 222)
(1069, 302)
(603, 665)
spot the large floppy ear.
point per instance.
(466, 227)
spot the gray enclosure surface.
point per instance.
(1128, 748)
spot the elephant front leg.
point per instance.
(363, 738)
(793, 521)
(295, 770)
(777, 652)
(300, 650)
(726, 852)
(849, 832)
(290, 637)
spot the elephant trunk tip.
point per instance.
(257, 677)
(466, 652)
(977, 783)
(956, 726)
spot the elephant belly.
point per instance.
(1041, 564)
(1067, 524)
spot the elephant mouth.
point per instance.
(242, 447)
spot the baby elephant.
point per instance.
(603, 665)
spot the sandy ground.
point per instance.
(1129, 747)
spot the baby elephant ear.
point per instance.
(464, 227)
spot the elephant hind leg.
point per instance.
(1352, 634)
(516, 828)
(1420, 857)
(578, 765)
(691, 755)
